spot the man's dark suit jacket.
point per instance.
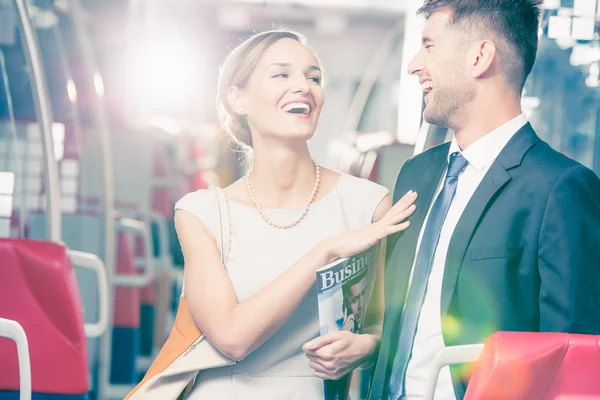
(525, 255)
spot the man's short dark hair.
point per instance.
(515, 22)
(353, 281)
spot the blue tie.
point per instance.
(418, 286)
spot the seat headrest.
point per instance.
(533, 365)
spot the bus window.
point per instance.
(561, 94)
(21, 151)
(64, 98)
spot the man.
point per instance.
(506, 235)
(354, 303)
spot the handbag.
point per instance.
(173, 372)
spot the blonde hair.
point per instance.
(236, 69)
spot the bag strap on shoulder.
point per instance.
(223, 233)
(224, 228)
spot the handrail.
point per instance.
(14, 331)
(448, 356)
(92, 262)
(136, 227)
(163, 232)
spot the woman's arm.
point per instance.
(235, 328)
(238, 328)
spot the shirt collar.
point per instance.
(486, 149)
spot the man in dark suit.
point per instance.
(506, 235)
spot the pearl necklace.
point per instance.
(306, 208)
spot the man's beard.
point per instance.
(447, 104)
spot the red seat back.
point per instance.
(537, 366)
(38, 289)
(127, 299)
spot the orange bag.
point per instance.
(173, 372)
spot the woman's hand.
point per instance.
(351, 243)
(337, 353)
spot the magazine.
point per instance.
(344, 291)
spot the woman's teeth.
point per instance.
(297, 108)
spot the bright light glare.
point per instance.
(58, 137)
(593, 79)
(559, 27)
(582, 54)
(583, 28)
(551, 4)
(584, 8)
(98, 84)
(7, 182)
(163, 73)
(72, 91)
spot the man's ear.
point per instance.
(481, 57)
(234, 97)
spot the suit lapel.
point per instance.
(422, 176)
(423, 180)
(495, 179)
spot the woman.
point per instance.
(261, 308)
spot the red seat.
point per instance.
(536, 366)
(38, 289)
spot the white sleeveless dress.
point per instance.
(278, 370)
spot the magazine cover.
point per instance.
(344, 290)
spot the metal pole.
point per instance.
(44, 116)
(107, 202)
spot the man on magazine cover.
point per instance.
(507, 231)
(355, 295)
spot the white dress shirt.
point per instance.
(429, 340)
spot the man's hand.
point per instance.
(348, 323)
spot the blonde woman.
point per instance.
(288, 218)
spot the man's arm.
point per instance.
(569, 254)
